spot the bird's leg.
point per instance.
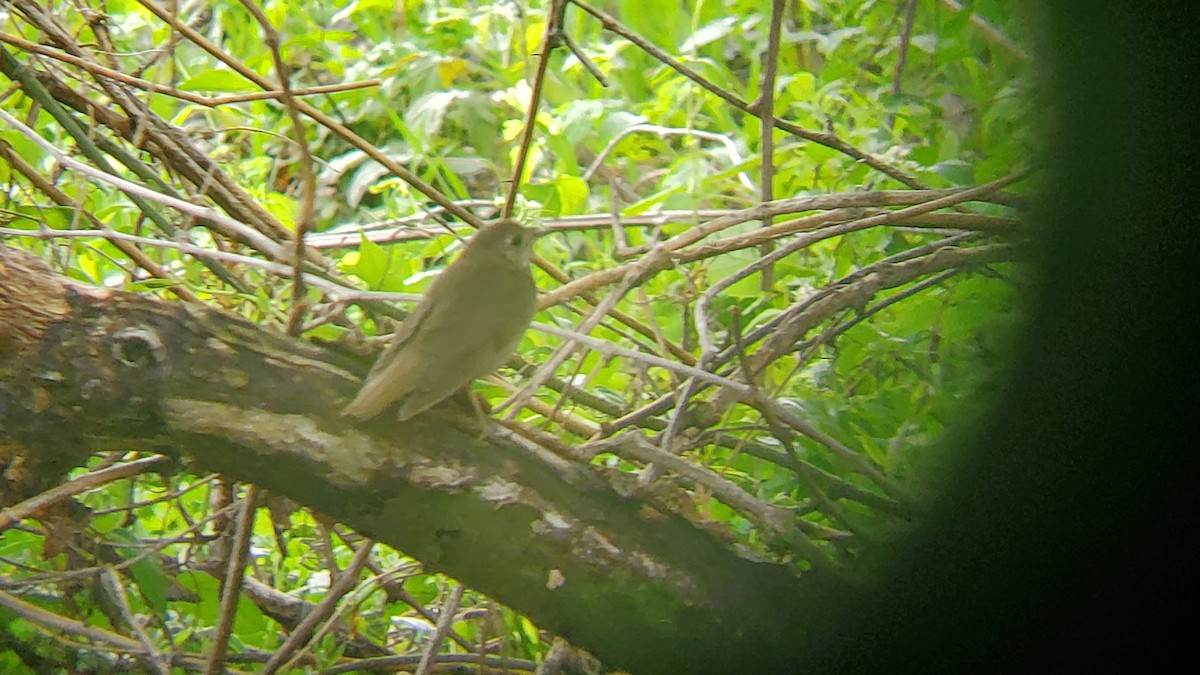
(481, 415)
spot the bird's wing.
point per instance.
(441, 348)
(401, 337)
(394, 372)
(388, 381)
(443, 373)
(455, 347)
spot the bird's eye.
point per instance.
(515, 240)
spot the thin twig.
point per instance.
(61, 198)
(797, 321)
(667, 251)
(173, 494)
(102, 638)
(588, 65)
(731, 150)
(335, 290)
(812, 314)
(76, 486)
(554, 17)
(285, 656)
(445, 619)
(765, 107)
(308, 183)
(910, 12)
(804, 241)
(564, 351)
(828, 139)
(231, 586)
(989, 31)
(609, 349)
(86, 572)
(781, 434)
(321, 118)
(394, 588)
(235, 228)
(776, 520)
(829, 335)
(154, 87)
(501, 664)
(116, 590)
(35, 614)
(98, 148)
(144, 129)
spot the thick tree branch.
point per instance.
(502, 515)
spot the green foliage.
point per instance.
(454, 85)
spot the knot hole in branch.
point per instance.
(138, 347)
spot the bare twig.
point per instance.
(231, 586)
(171, 495)
(801, 242)
(500, 663)
(778, 521)
(610, 349)
(795, 322)
(61, 198)
(395, 587)
(828, 139)
(731, 150)
(115, 589)
(308, 183)
(834, 331)
(765, 107)
(56, 622)
(782, 435)
(547, 369)
(989, 31)
(199, 99)
(407, 229)
(816, 309)
(75, 486)
(563, 37)
(321, 118)
(553, 26)
(910, 12)
(336, 290)
(232, 227)
(288, 652)
(102, 638)
(666, 253)
(445, 620)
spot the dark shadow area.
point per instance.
(1064, 536)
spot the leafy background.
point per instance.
(614, 171)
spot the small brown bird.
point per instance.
(466, 326)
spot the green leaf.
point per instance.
(426, 115)
(956, 171)
(710, 33)
(217, 79)
(11, 663)
(20, 545)
(207, 589)
(107, 522)
(152, 582)
(650, 202)
(819, 153)
(727, 265)
(572, 194)
(326, 332)
(372, 262)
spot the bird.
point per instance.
(466, 326)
